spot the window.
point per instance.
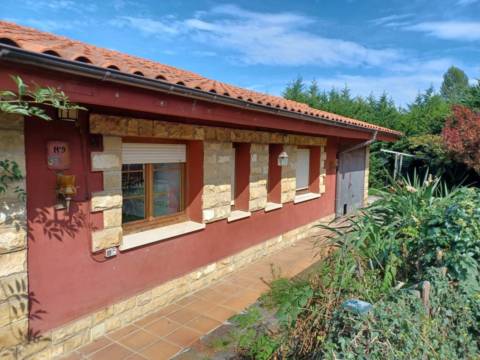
(303, 169)
(153, 183)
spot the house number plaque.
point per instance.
(58, 155)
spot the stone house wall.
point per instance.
(73, 335)
(13, 240)
(108, 201)
(258, 176)
(217, 169)
(289, 182)
(216, 205)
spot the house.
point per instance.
(178, 180)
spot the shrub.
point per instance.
(462, 136)
(419, 231)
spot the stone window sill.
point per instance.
(272, 206)
(142, 238)
(238, 215)
(305, 197)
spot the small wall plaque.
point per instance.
(58, 155)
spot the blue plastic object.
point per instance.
(357, 306)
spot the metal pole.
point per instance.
(395, 169)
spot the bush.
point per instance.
(462, 136)
(418, 231)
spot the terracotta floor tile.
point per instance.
(165, 333)
(241, 301)
(95, 346)
(138, 340)
(160, 350)
(183, 336)
(162, 327)
(183, 315)
(115, 335)
(113, 351)
(136, 357)
(186, 300)
(226, 287)
(220, 313)
(200, 306)
(208, 294)
(261, 287)
(148, 319)
(203, 324)
(168, 309)
(73, 356)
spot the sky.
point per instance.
(372, 46)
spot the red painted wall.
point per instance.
(125, 98)
(274, 194)
(68, 282)
(242, 176)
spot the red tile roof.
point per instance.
(42, 42)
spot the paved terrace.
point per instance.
(174, 328)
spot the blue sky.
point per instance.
(397, 46)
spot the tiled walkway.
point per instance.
(175, 327)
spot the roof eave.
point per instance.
(25, 57)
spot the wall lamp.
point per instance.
(283, 159)
(68, 114)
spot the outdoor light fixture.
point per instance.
(283, 159)
(66, 188)
(68, 114)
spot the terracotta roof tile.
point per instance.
(42, 42)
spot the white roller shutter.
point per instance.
(142, 153)
(303, 168)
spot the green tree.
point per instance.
(295, 90)
(426, 115)
(472, 97)
(455, 85)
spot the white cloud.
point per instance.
(46, 25)
(61, 5)
(466, 2)
(263, 38)
(391, 20)
(51, 4)
(148, 26)
(449, 30)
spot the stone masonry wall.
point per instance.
(258, 176)
(218, 162)
(124, 126)
(109, 201)
(323, 169)
(289, 182)
(13, 242)
(69, 337)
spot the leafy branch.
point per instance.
(10, 173)
(25, 101)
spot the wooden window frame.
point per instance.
(150, 221)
